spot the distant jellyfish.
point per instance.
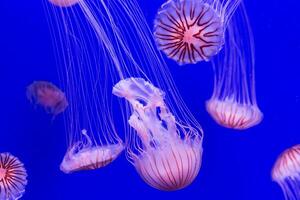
(169, 154)
(12, 177)
(47, 95)
(190, 31)
(286, 172)
(233, 103)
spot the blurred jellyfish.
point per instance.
(233, 103)
(169, 157)
(286, 172)
(107, 41)
(190, 31)
(12, 177)
(47, 95)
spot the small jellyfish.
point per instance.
(168, 156)
(190, 31)
(12, 177)
(47, 95)
(86, 156)
(233, 103)
(286, 172)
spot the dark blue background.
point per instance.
(236, 165)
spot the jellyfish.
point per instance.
(105, 45)
(191, 31)
(91, 134)
(168, 157)
(286, 172)
(47, 95)
(233, 103)
(12, 177)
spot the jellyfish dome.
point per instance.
(190, 31)
(12, 177)
(233, 103)
(286, 172)
(64, 3)
(232, 114)
(85, 156)
(168, 157)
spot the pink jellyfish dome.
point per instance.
(188, 31)
(231, 114)
(12, 177)
(64, 3)
(286, 172)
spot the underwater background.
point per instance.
(236, 164)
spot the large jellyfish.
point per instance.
(168, 156)
(286, 172)
(233, 103)
(190, 31)
(109, 42)
(49, 96)
(12, 177)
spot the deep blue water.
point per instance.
(236, 165)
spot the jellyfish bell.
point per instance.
(12, 177)
(190, 31)
(287, 164)
(286, 172)
(64, 3)
(233, 103)
(47, 95)
(86, 156)
(169, 157)
(231, 114)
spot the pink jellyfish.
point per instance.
(233, 103)
(286, 172)
(12, 177)
(47, 95)
(168, 156)
(89, 155)
(92, 139)
(190, 31)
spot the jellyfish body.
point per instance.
(233, 103)
(168, 158)
(231, 114)
(12, 177)
(190, 31)
(85, 156)
(286, 172)
(47, 95)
